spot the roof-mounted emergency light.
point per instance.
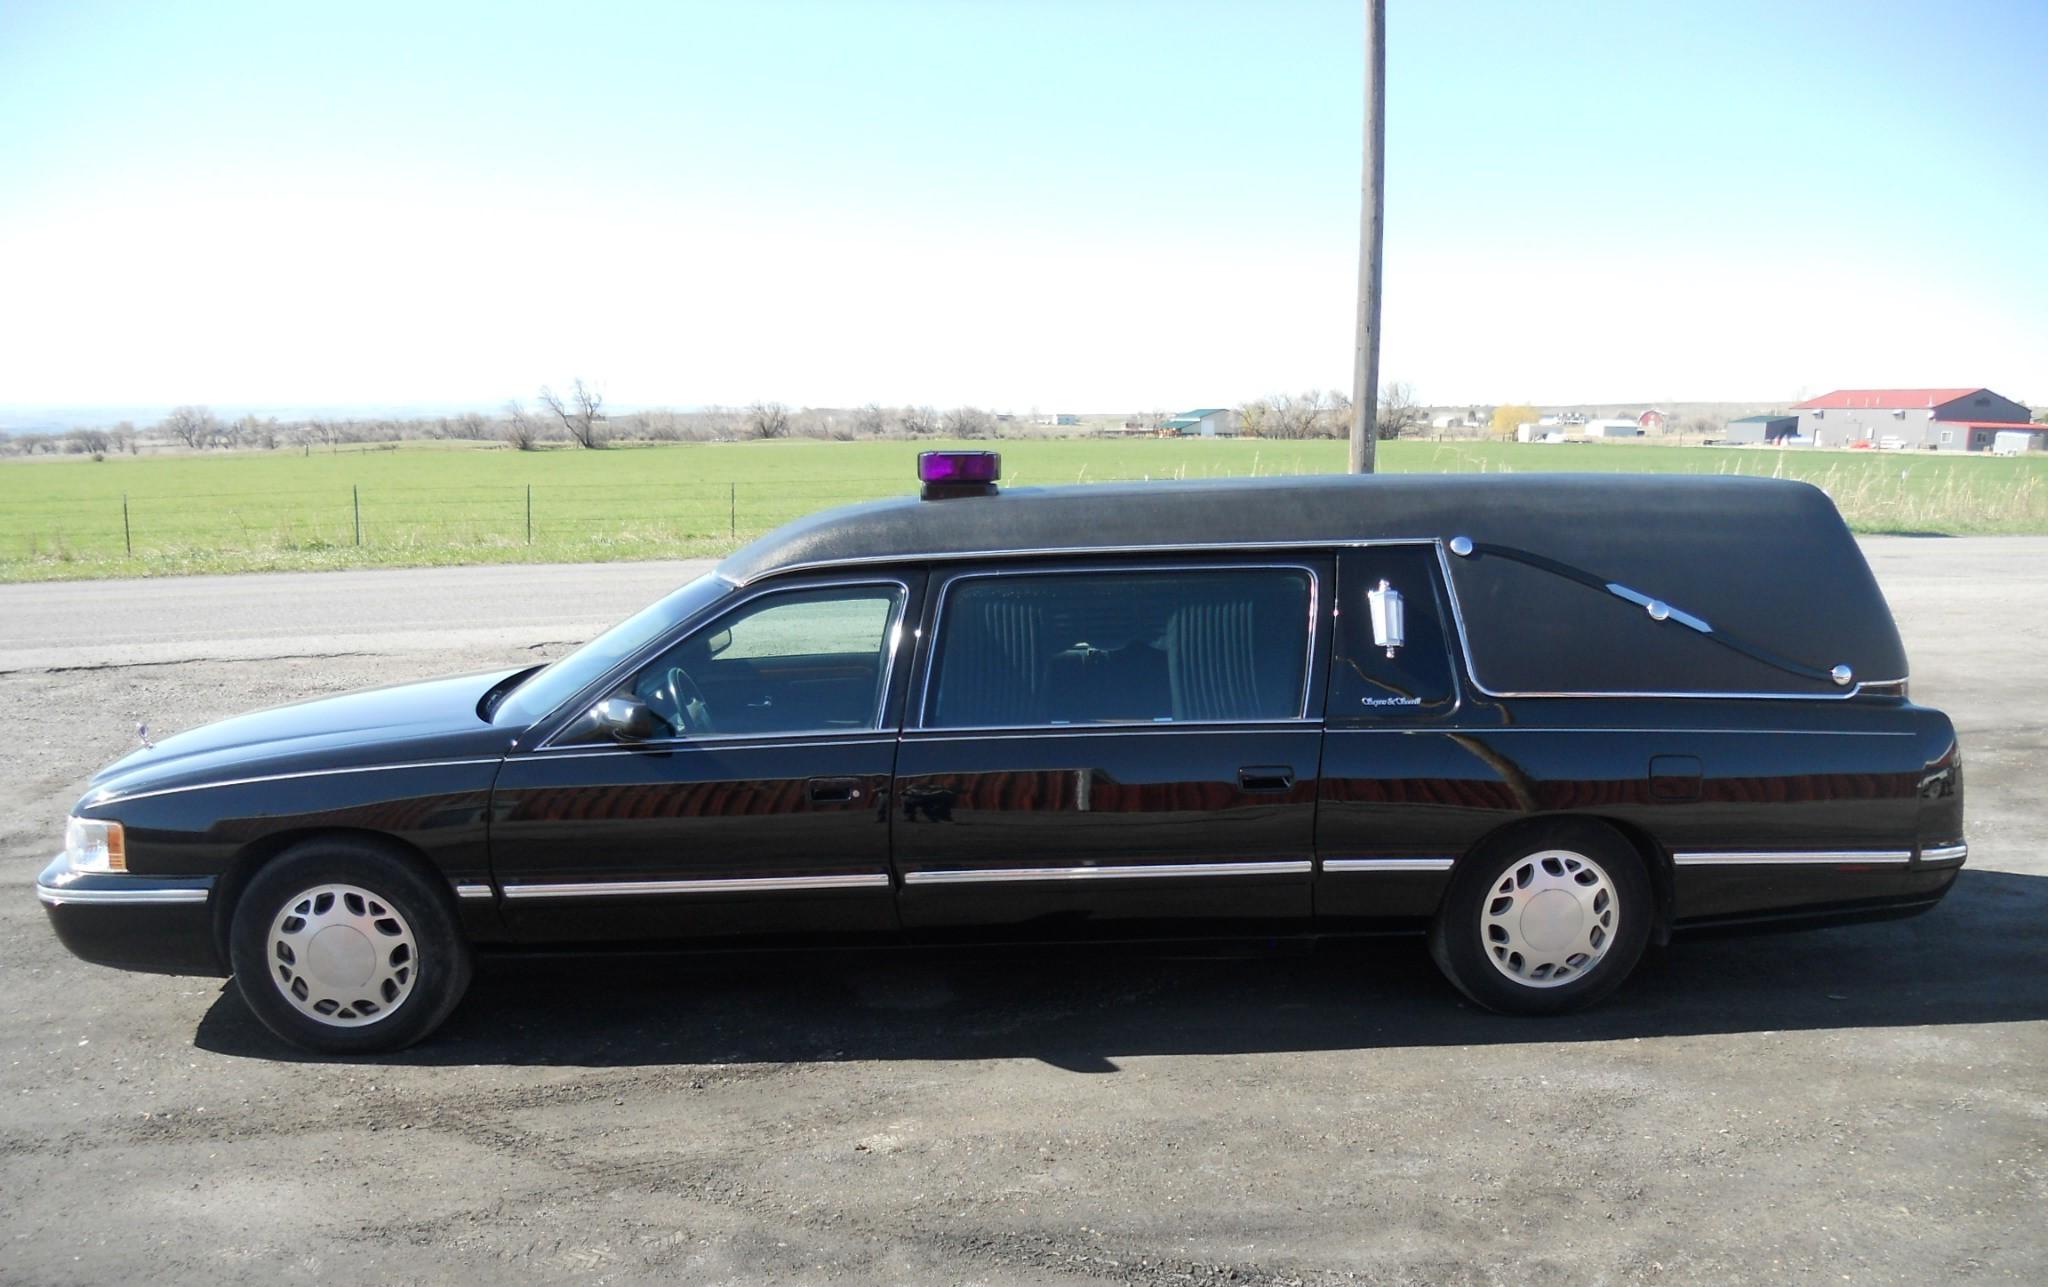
(947, 474)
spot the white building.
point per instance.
(1204, 422)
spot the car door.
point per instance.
(1403, 793)
(1114, 749)
(760, 806)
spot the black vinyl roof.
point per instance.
(1767, 560)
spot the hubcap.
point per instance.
(342, 955)
(1550, 918)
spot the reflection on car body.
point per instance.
(1542, 720)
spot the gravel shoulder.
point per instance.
(1867, 1104)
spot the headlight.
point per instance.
(93, 845)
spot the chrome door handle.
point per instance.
(1266, 777)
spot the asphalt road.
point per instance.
(1866, 1104)
(270, 615)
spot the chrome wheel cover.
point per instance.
(342, 956)
(1550, 918)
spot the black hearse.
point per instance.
(1543, 719)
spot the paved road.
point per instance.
(46, 626)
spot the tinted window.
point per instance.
(1121, 647)
(802, 661)
(1365, 683)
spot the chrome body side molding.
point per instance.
(1288, 867)
(738, 885)
(1376, 865)
(1794, 856)
(151, 897)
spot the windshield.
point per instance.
(557, 682)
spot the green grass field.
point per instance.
(438, 504)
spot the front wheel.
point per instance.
(342, 948)
(1551, 922)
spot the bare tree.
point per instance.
(1398, 410)
(581, 416)
(521, 430)
(871, 421)
(1286, 415)
(920, 422)
(193, 426)
(768, 420)
(968, 422)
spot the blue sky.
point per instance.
(1054, 205)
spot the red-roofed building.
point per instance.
(1915, 419)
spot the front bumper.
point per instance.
(159, 924)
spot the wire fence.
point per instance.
(385, 517)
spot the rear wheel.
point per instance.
(1549, 922)
(341, 947)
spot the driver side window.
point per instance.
(801, 661)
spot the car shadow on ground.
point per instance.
(1981, 957)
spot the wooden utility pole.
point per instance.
(1365, 369)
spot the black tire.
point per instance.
(397, 924)
(1483, 921)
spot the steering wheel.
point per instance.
(691, 715)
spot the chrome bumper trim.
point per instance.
(1795, 856)
(740, 885)
(1945, 853)
(119, 897)
(1387, 864)
(1140, 871)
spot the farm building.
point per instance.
(1934, 419)
(1612, 429)
(1776, 428)
(1651, 421)
(1204, 422)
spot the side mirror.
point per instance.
(626, 719)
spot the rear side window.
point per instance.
(1369, 681)
(1122, 647)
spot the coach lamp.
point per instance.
(1389, 618)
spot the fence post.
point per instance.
(529, 513)
(733, 510)
(356, 494)
(127, 532)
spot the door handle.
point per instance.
(1266, 777)
(832, 790)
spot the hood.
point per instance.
(433, 720)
